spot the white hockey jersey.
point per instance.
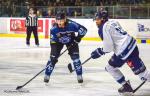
(116, 39)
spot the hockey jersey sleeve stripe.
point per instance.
(128, 50)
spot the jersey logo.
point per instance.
(65, 39)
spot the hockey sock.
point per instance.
(116, 74)
(49, 69)
(77, 65)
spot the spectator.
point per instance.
(39, 13)
(50, 13)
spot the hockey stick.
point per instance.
(19, 87)
(70, 66)
(139, 86)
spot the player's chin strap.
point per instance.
(19, 87)
(71, 68)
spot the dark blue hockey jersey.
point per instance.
(68, 33)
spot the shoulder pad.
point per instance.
(54, 24)
(74, 23)
(53, 27)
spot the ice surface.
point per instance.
(19, 63)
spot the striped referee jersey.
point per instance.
(31, 21)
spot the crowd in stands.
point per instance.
(45, 8)
(85, 2)
(72, 2)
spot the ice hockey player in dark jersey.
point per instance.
(68, 33)
(125, 49)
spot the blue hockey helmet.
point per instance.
(101, 14)
(60, 15)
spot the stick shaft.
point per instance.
(139, 86)
(43, 69)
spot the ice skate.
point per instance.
(37, 45)
(126, 90)
(28, 45)
(80, 79)
(46, 78)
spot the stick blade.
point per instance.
(70, 68)
(18, 87)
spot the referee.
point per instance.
(32, 24)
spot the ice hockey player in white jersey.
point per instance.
(125, 49)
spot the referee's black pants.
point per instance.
(31, 29)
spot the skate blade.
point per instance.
(47, 84)
(126, 94)
(82, 84)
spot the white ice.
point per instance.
(19, 63)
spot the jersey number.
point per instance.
(120, 30)
(82, 31)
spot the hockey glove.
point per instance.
(97, 53)
(77, 40)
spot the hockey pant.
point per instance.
(133, 61)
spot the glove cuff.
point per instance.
(77, 39)
(100, 51)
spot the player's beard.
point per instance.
(61, 25)
(99, 23)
